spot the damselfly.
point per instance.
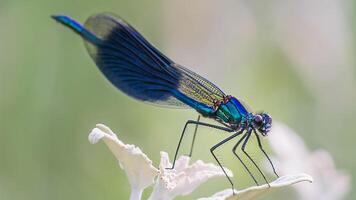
(141, 71)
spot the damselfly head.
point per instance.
(262, 122)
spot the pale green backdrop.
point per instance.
(52, 95)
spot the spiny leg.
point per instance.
(217, 160)
(195, 133)
(260, 145)
(238, 157)
(197, 123)
(248, 134)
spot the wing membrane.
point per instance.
(137, 68)
(198, 88)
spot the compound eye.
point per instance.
(258, 119)
(268, 118)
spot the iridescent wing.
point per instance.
(137, 68)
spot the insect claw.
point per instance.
(170, 168)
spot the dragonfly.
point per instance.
(137, 68)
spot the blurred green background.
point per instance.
(292, 59)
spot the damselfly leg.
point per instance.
(196, 123)
(217, 160)
(194, 135)
(264, 152)
(248, 134)
(238, 157)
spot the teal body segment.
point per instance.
(203, 109)
(232, 111)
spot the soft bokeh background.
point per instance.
(294, 59)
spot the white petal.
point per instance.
(184, 178)
(137, 165)
(256, 191)
(222, 195)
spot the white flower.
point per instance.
(137, 165)
(180, 181)
(183, 179)
(292, 156)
